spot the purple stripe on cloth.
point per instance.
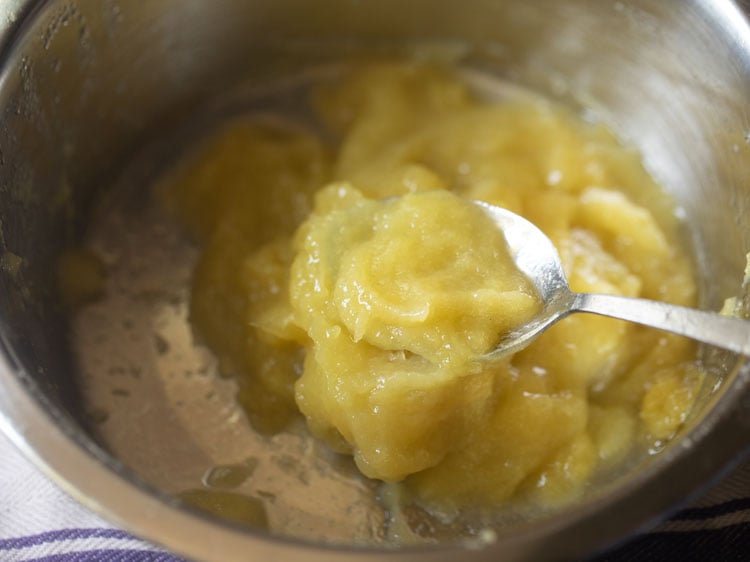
(728, 544)
(62, 535)
(106, 555)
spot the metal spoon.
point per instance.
(537, 258)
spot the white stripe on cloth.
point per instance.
(30, 504)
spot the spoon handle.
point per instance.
(712, 328)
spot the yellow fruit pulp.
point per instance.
(359, 287)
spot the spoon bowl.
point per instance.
(538, 259)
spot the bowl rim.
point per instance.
(50, 439)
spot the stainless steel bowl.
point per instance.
(86, 84)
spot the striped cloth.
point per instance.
(40, 523)
(716, 527)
